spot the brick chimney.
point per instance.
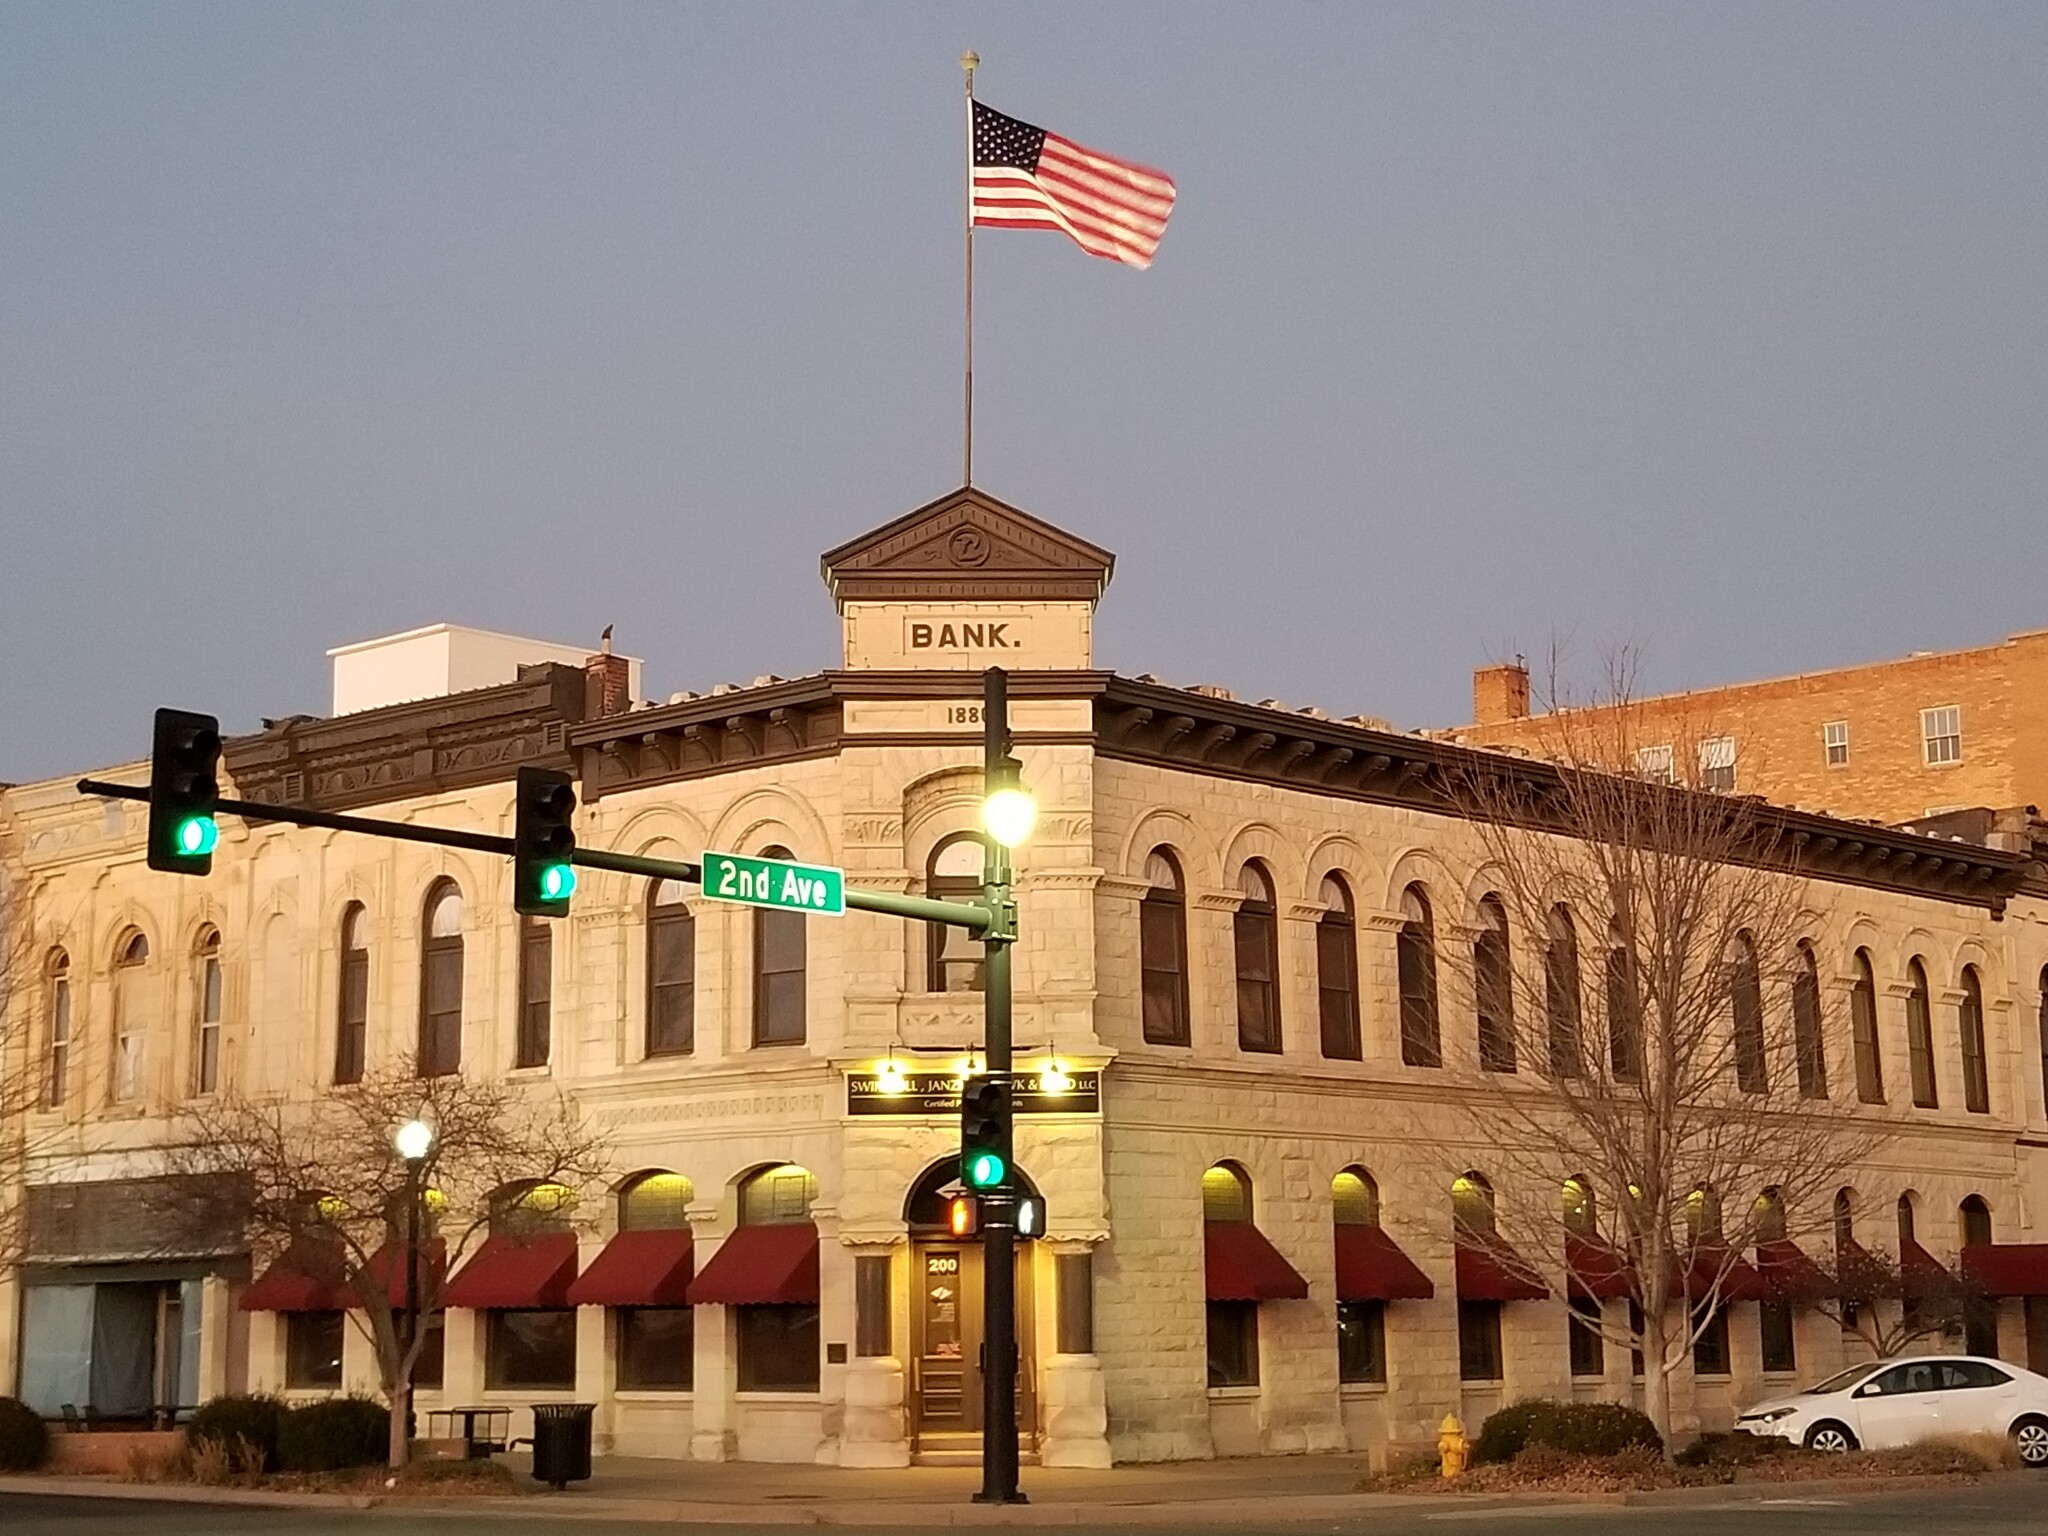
(606, 682)
(1500, 693)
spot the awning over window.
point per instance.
(760, 1266)
(1238, 1264)
(1372, 1267)
(302, 1279)
(517, 1273)
(1787, 1274)
(1596, 1269)
(388, 1264)
(1490, 1270)
(2007, 1269)
(1920, 1272)
(639, 1269)
(1860, 1275)
(1694, 1274)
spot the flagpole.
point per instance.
(969, 61)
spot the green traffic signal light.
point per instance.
(985, 1170)
(543, 842)
(557, 882)
(184, 789)
(197, 836)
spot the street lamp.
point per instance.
(414, 1140)
(1009, 814)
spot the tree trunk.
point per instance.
(1657, 1378)
(400, 1397)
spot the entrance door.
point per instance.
(946, 1333)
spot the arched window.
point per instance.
(1907, 1223)
(655, 1202)
(1337, 972)
(1975, 1214)
(352, 1006)
(206, 1047)
(130, 1022)
(1863, 1029)
(1415, 967)
(779, 947)
(1980, 1313)
(1361, 1325)
(532, 1207)
(536, 992)
(671, 971)
(531, 1347)
(441, 982)
(57, 1072)
(1233, 1325)
(1256, 941)
(1777, 1329)
(1920, 1037)
(1970, 1019)
(1807, 1039)
(1355, 1199)
(954, 955)
(1624, 1011)
(1472, 1208)
(777, 1197)
(656, 1345)
(1703, 1215)
(1493, 987)
(1746, 1001)
(1561, 995)
(1769, 1217)
(1581, 1215)
(1845, 1222)
(1163, 951)
(2041, 1024)
(777, 1342)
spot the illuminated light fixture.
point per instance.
(1054, 1079)
(1029, 1217)
(414, 1140)
(963, 1216)
(890, 1078)
(557, 882)
(1008, 815)
(197, 836)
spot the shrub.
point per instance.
(1738, 1449)
(24, 1438)
(341, 1432)
(1583, 1429)
(243, 1426)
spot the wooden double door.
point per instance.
(948, 1349)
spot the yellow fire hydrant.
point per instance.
(1452, 1444)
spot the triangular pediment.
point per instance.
(967, 546)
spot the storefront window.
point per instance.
(312, 1349)
(1479, 1341)
(1362, 1341)
(1233, 1343)
(531, 1349)
(657, 1348)
(778, 1348)
(1587, 1349)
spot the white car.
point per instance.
(1895, 1402)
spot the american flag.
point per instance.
(1026, 178)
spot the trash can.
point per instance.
(561, 1442)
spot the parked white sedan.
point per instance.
(1895, 1402)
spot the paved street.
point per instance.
(2004, 1507)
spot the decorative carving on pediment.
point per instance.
(967, 546)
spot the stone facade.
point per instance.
(873, 767)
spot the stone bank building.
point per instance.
(1247, 1168)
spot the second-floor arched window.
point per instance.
(1863, 1032)
(131, 1021)
(1920, 1037)
(1562, 997)
(1493, 987)
(671, 971)
(1808, 1040)
(780, 940)
(954, 955)
(1415, 970)
(352, 1007)
(57, 1071)
(1970, 1023)
(1255, 935)
(1624, 1011)
(1746, 1004)
(206, 1045)
(440, 1049)
(1337, 972)
(1163, 951)
(536, 992)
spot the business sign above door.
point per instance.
(938, 1093)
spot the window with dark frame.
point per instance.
(1562, 999)
(1479, 1352)
(56, 1078)
(671, 971)
(530, 1350)
(1624, 1015)
(1163, 951)
(1233, 1343)
(1493, 987)
(2041, 1025)
(1980, 1313)
(206, 1074)
(1584, 1343)
(777, 1347)
(1920, 1037)
(433, 1358)
(1778, 1337)
(1635, 1334)
(1845, 1244)
(1415, 970)
(1710, 1347)
(1746, 1003)
(871, 1307)
(440, 1051)
(1808, 1039)
(1337, 973)
(1074, 1285)
(1970, 1025)
(1255, 932)
(1863, 1031)
(312, 1349)
(1362, 1342)
(953, 955)
(352, 1003)
(536, 988)
(657, 1348)
(780, 940)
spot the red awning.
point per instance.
(510, 1273)
(1372, 1267)
(2007, 1269)
(1920, 1272)
(1859, 1275)
(1490, 1270)
(1596, 1269)
(639, 1269)
(762, 1266)
(1787, 1274)
(302, 1279)
(1738, 1281)
(388, 1264)
(1238, 1264)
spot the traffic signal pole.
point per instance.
(999, 1209)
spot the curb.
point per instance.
(180, 1493)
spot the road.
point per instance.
(2005, 1507)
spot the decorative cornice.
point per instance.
(967, 546)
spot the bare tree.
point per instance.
(1655, 1048)
(1887, 1302)
(318, 1185)
(24, 1081)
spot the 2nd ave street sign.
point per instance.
(815, 888)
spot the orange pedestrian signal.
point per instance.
(963, 1216)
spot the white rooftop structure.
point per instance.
(442, 659)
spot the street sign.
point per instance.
(817, 889)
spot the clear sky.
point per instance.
(1716, 328)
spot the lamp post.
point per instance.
(414, 1140)
(1007, 814)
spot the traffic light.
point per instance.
(963, 1216)
(543, 879)
(184, 789)
(985, 1133)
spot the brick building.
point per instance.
(1250, 1244)
(1893, 741)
